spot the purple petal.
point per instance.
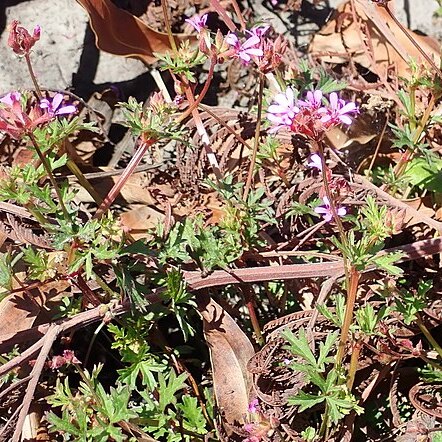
(254, 51)
(321, 210)
(7, 99)
(44, 103)
(342, 211)
(231, 39)
(349, 107)
(244, 56)
(277, 109)
(317, 96)
(328, 217)
(66, 110)
(333, 100)
(56, 101)
(345, 119)
(315, 161)
(290, 95)
(252, 41)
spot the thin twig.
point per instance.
(35, 376)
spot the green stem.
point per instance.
(428, 335)
(256, 141)
(412, 40)
(324, 424)
(239, 15)
(223, 14)
(408, 154)
(51, 177)
(336, 217)
(37, 215)
(83, 181)
(103, 285)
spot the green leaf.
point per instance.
(169, 388)
(299, 346)
(425, 174)
(193, 416)
(305, 400)
(324, 350)
(385, 262)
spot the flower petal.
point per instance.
(56, 101)
(66, 110)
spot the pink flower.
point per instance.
(338, 110)
(245, 51)
(253, 406)
(67, 358)
(53, 106)
(313, 99)
(259, 31)
(326, 212)
(315, 162)
(199, 23)
(284, 111)
(17, 121)
(10, 98)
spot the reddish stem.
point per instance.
(115, 191)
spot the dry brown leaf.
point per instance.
(341, 39)
(230, 351)
(121, 33)
(18, 311)
(133, 192)
(140, 220)
(418, 204)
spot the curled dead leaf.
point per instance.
(375, 42)
(121, 33)
(230, 351)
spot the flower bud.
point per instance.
(20, 40)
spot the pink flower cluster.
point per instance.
(16, 120)
(312, 116)
(249, 48)
(67, 358)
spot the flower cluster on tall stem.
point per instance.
(15, 120)
(18, 120)
(312, 116)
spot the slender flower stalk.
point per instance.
(203, 133)
(168, 27)
(256, 140)
(197, 101)
(33, 76)
(116, 189)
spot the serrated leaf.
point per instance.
(305, 400)
(424, 174)
(299, 345)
